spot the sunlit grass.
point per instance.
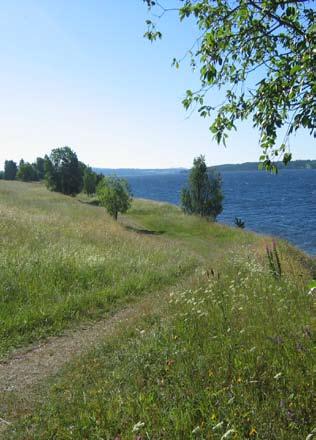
(229, 356)
(205, 238)
(63, 261)
(234, 355)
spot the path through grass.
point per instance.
(62, 262)
(231, 355)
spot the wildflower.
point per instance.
(252, 432)
(311, 435)
(138, 426)
(196, 429)
(228, 434)
(219, 425)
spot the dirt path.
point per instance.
(25, 369)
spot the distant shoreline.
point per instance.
(246, 166)
(253, 166)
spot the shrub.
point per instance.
(239, 223)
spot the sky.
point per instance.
(80, 73)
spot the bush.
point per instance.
(114, 195)
(204, 195)
(239, 223)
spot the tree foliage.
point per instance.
(203, 196)
(114, 195)
(10, 170)
(262, 55)
(39, 166)
(89, 181)
(63, 171)
(27, 172)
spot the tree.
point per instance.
(203, 196)
(63, 171)
(10, 170)
(1, 175)
(39, 166)
(26, 172)
(262, 55)
(89, 181)
(114, 195)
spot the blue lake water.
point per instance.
(283, 205)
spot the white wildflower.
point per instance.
(196, 429)
(277, 376)
(138, 426)
(228, 434)
(311, 434)
(218, 426)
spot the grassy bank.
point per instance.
(62, 261)
(229, 356)
(232, 356)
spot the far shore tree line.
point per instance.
(63, 172)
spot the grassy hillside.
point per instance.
(62, 261)
(228, 354)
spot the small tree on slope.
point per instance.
(204, 195)
(114, 195)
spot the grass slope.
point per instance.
(230, 356)
(62, 261)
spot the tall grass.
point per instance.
(234, 357)
(63, 261)
(231, 356)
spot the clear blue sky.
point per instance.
(80, 73)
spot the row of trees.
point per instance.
(64, 173)
(61, 170)
(25, 171)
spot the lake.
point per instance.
(283, 205)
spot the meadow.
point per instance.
(227, 352)
(62, 261)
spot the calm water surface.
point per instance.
(283, 205)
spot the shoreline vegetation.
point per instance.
(227, 349)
